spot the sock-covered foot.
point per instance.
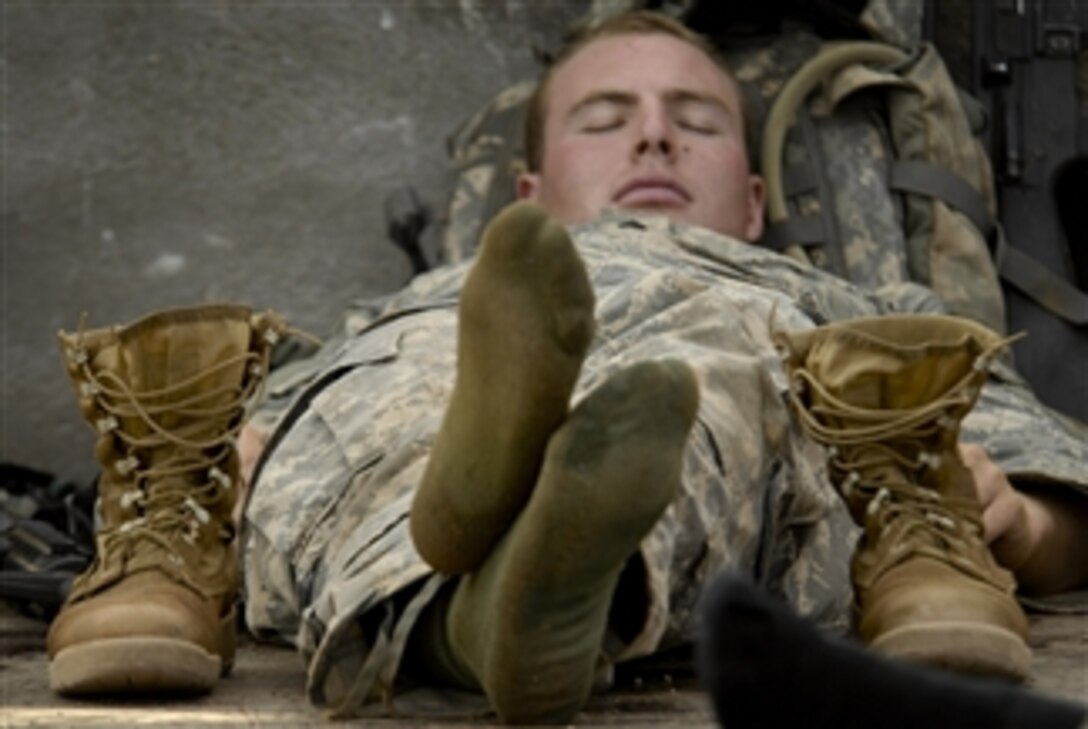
(528, 625)
(766, 667)
(525, 323)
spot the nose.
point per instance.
(655, 135)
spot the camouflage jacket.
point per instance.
(326, 537)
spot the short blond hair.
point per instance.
(639, 22)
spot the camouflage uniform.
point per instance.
(326, 536)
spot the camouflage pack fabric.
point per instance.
(918, 194)
(330, 567)
(486, 154)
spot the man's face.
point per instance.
(646, 122)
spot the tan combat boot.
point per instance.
(155, 611)
(887, 394)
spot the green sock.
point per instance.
(525, 323)
(528, 625)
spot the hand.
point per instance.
(1040, 535)
(251, 442)
(1005, 511)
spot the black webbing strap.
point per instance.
(807, 230)
(1035, 280)
(799, 180)
(925, 178)
(1049, 290)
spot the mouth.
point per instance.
(651, 192)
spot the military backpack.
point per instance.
(875, 160)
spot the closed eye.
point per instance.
(699, 127)
(602, 112)
(699, 114)
(599, 127)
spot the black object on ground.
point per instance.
(765, 666)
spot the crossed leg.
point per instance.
(526, 625)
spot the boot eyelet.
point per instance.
(848, 483)
(215, 474)
(929, 460)
(105, 425)
(197, 510)
(126, 466)
(132, 498)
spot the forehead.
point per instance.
(637, 63)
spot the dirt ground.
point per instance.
(267, 688)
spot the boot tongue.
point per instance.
(873, 377)
(188, 360)
(890, 362)
(184, 372)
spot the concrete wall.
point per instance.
(165, 153)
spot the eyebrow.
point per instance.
(625, 98)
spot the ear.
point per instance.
(757, 193)
(528, 186)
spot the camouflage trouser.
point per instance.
(326, 536)
(326, 542)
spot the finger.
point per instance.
(1005, 525)
(972, 453)
(990, 481)
(998, 518)
(1012, 544)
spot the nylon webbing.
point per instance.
(1046, 288)
(798, 179)
(925, 178)
(807, 230)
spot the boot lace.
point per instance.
(881, 458)
(178, 494)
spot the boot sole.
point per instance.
(962, 647)
(134, 665)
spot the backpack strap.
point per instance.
(1039, 283)
(801, 231)
(925, 178)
